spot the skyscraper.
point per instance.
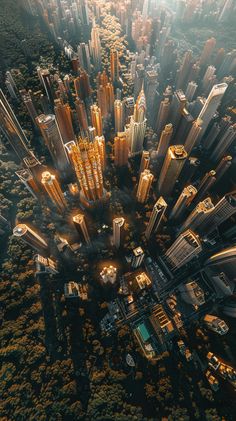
(184, 70)
(27, 179)
(156, 217)
(224, 143)
(99, 143)
(121, 149)
(190, 91)
(12, 130)
(53, 190)
(223, 166)
(64, 120)
(53, 140)
(119, 115)
(164, 142)
(211, 104)
(96, 118)
(173, 164)
(88, 168)
(193, 136)
(81, 114)
(162, 115)
(223, 210)
(183, 250)
(84, 56)
(118, 230)
(223, 261)
(207, 51)
(145, 181)
(81, 227)
(137, 257)
(145, 161)
(27, 99)
(114, 63)
(137, 127)
(25, 233)
(177, 105)
(183, 202)
(206, 183)
(198, 215)
(95, 46)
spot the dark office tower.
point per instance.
(211, 105)
(184, 126)
(173, 164)
(11, 129)
(189, 170)
(119, 115)
(224, 144)
(164, 143)
(26, 97)
(96, 118)
(209, 79)
(193, 136)
(156, 217)
(183, 202)
(151, 84)
(198, 215)
(211, 136)
(84, 57)
(223, 210)
(81, 114)
(129, 104)
(53, 140)
(186, 247)
(30, 237)
(184, 70)
(145, 161)
(207, 52)
(53, 190)
(223, 166)
(224, 261)
(139, 79)
(83, 11)
(162, 115)
(114, 63)
(177, 105)
(191, 90)
(27, 179)
(64, 120)
(81, 227)
(228, 65)
(45, 79)
(121, 149)
(205, 185)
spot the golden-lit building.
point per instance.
(183, 202)
(64, 120)
(119, 115)
(96, 118)
(87, 163)
(145, 181)
(118, 230)
(109, 274)
(99, 143)
(137, 126)
(81, 227)
(53, 189)
(121, 149)
(175, 159)
(29, 236)
(145, 161)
